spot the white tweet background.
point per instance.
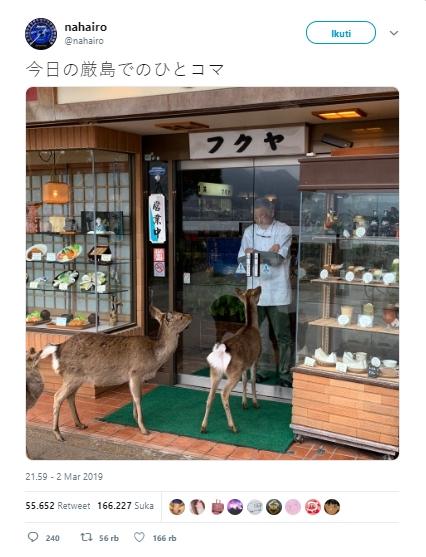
(260, 44)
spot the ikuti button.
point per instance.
(340, 32)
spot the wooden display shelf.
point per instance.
(356, 282)
(366, 240)
(332, 373)
(70, 327)
(332, 322)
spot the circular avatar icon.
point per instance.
(40, 33)
(197, 506)
(273, 506)
(313, 506)
(176, 506)
(293, 506)
(217, 507)
(332, 506)
(235, 506)
(255, 506)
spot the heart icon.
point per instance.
(139, 536)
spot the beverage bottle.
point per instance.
(373, 229)
(385, 226)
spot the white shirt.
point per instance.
(274, 279)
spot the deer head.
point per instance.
(172, 322)
(251, 295)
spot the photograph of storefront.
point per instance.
(175, 198)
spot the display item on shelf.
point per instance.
(322, 358)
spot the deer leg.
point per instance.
(135, 390)
(253, 384)
(135, 410)
(73, 408)
(64, 392)
(244, 376)
(232, 381)
(215, 378)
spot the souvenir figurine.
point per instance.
(331, 221)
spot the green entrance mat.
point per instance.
(271, 380)
(180, 411)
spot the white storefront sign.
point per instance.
(287, 140)
(157, 218)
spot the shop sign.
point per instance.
(217, 190)
(159, 269)
(286, 140)
(157, 218)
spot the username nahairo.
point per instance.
(85, 27)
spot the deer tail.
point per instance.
(219, 358)
(51, 350)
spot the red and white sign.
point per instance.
(159, 254)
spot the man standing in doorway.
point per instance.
(272, 239)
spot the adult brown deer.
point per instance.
(34, 382)
(106, 360)
(233, 356)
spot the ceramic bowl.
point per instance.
(390, 363)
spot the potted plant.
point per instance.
(228, 313)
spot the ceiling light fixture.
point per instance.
(348, 113)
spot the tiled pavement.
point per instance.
(92, 409)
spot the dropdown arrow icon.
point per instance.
(394, 32)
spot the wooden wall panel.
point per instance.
(82, 137)
(361, 172)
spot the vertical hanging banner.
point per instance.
(157, 218)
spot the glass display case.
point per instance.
(347, 359)
(79, 240)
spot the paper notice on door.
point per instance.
(159, 269)
(241, 269)
(186, 278)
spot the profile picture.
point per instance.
(234, 506)
(217, 507)
(176, 506)
(332, 506)
(197, 506)
(255, 506)
(274, 506)
(313, 506)
(293, 506)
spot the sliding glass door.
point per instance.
(237, 227)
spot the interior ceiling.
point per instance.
(375, 110)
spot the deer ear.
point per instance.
(240, 294)
(156, 313)
(257, 291)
